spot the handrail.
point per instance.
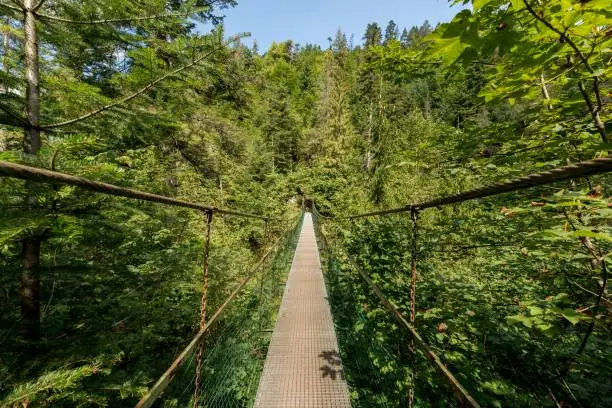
(162, 383)
(20, 171)
(586, 168)
(596, 166)
(460, 392)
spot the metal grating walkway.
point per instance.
(303, 367)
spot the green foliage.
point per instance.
(509, 287)
(511, 290)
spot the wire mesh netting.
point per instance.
(235, 347)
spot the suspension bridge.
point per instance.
(303, 361)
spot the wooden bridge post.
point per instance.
(203, 301)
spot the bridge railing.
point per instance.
(583, 169)
(39, 175)
(32, 174)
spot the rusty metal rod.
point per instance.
(414, 216)
(203, 303)
(586, 168)
(163, 381)
(20, 171)
(460, 392)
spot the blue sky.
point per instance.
(312, 21)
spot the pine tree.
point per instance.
(61, 27)
(405, 38)
(334, 111)
(391, 32)
(425, 29)
(340, 44)
(367, 105)
(413, 36)
(282, 133)
(372, 36)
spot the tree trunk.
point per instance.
(30, 289)
(32, 77)
(5, 52)
(30, 254)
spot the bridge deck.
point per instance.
(303, 366)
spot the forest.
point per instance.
(99, 294)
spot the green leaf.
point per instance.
(590, 234)
(596, 5)
(526, 321)
(535, 310)
(497, 387)
(572, 316)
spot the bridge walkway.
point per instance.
(303, 368)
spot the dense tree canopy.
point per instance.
(98, 293)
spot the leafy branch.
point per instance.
(13, 117)
(123, 20)
(14, 8)
(565, 38)
(598, 257)
(20, 7)
(608, 301)
(142, 90)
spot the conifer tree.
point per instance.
(425, 29)
(55, 26)
(391, 32)
(413, 36)
(372, 36)
(405, 38)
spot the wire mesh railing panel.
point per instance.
(511, 292)
(235, 347)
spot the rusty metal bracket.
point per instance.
(203, 301)
(162, 383)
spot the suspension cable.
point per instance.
(20, 171)
(586, 168)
